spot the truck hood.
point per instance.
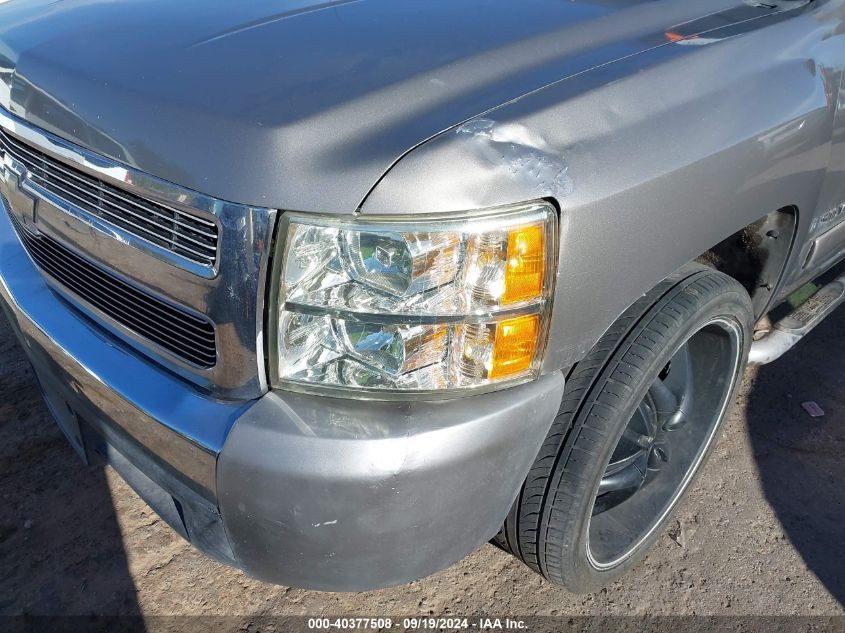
(299, 104)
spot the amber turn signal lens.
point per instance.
(526, 264)
(515, 345)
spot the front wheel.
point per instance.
(638, 419)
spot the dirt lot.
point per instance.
(762, 532)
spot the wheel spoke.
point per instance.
(680, 375)
(679, 382)
(640, 439)
(615, 467)
(659, 456)
(629, 477)
(665, 401)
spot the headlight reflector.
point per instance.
(419, 304)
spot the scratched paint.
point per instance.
(521, 154)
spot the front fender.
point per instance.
(652, 160)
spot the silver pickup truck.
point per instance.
(345, 289)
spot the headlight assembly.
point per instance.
(412, 304)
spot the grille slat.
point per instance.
(117, 302)
(185, 335)
(51, 186)
(67, 181)
(81, 288)
(209, 232)
(190, 236)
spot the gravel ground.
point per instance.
(761, 533)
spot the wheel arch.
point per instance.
(756, 255)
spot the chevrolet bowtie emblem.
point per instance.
(23, 205)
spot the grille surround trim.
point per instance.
(231, 294)
(192, 337)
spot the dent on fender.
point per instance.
(495, 162)
(513, 151)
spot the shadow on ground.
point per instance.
(801, 459)
(61, 550)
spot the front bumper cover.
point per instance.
(347, 495)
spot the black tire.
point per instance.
(549, 525)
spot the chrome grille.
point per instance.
(184, 234)
(180, 333)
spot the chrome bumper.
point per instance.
(105, 382)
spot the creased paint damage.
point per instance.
(521, 153)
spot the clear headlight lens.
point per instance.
(412, 304)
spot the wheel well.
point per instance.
(756, 255)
